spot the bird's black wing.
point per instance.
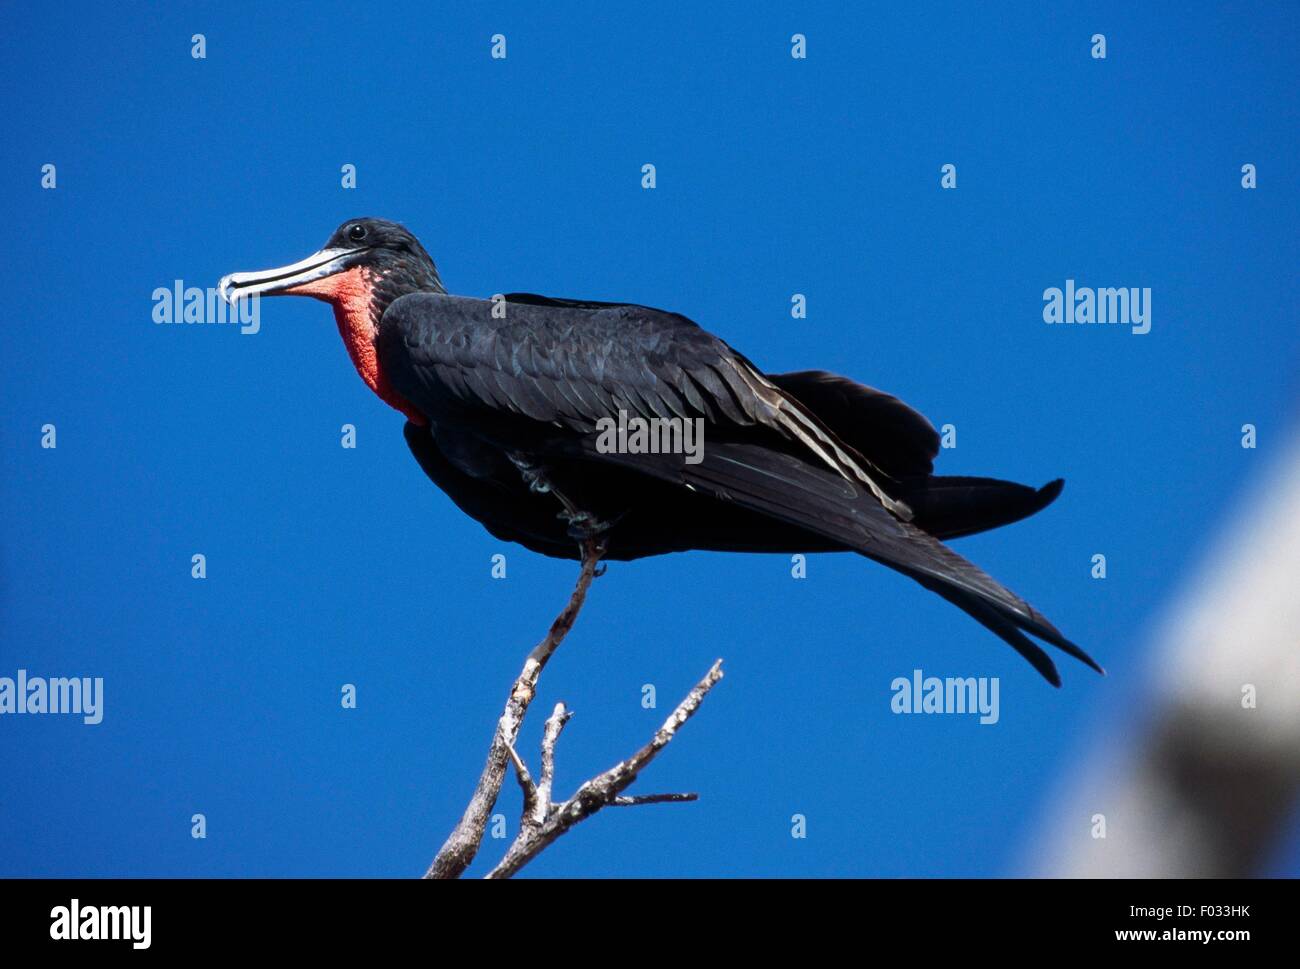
(901, 442)
(566, 367)
(570, 365)
(877, 425)
(794, 491)
(533, 299)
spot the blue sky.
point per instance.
(775, 176)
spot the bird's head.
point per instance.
(365, 265)
(371, 259)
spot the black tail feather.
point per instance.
(788, 489)
(951, 507)
(999, 624)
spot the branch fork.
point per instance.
(543, 820)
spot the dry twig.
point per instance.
(543, 820)
(462, 844)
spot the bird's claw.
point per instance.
(589, 532)
(583, 525)
(536, 482)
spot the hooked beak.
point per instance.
(272, 282)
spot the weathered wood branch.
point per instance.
(462, 844)
(544, 821)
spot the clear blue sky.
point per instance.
(775, 176)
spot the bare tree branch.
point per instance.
(599, 792)
(463, 843)
(550, 737)
(632, 800)
(525, 780)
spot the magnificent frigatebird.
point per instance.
(506, 400)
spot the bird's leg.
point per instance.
(585, 527)
(532, 473)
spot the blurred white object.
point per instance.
(1207, 785)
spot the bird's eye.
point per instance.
(357, 233)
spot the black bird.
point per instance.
(506, 400)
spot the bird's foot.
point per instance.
(536, 481)
(583, 525)
(589, 532)
(532, 473)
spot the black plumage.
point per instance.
(506, 398)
